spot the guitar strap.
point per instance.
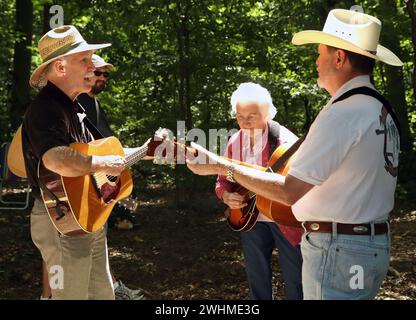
(51, 195)
(97, 109)
(93, 129)
(281, 161)
(373, 93)
(273, 136)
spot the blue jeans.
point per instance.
(258, 245)
(341, 267)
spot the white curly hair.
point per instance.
(253, 92)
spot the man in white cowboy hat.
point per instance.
(342, 179)
(78, 264)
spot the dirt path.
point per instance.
(184, 255)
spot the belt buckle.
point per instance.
(360, 229)
(314, 226)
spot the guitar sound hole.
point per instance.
(112, 178)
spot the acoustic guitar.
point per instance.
(15, 160)
(274, 210)
(79, 205)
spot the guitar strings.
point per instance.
(101, 177)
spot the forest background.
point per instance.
(181, 60)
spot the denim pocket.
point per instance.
(357, 270)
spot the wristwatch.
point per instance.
(230, 173)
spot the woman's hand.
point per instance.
(234, 200)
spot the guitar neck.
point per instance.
(137, 155)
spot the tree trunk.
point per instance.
(182, 32)
(46, 17)
(394, 76)
(412, 14)
(20, 92)
(183, 179)
(308, 115)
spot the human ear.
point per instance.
(59, 67)
(340, 58)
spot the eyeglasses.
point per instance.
(99, 73)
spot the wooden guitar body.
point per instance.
(86, 201)
(245, 218)
(15, 160)
(277, 211)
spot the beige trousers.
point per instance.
(78, 266)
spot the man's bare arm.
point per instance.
(273, 186)
(68, 162)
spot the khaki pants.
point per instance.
(78, 266)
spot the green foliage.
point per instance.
(7, 12)
(215, 45)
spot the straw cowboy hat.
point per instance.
(57, 43)
(100, 62)
(351, 31)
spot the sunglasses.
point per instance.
(99, 73)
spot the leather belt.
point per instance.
(344, 228)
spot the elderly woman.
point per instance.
(252, 105)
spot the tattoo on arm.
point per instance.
(67, 161)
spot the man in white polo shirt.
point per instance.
(342, 179)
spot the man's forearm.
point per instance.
(285, 189)
(266, 184)
(67, 162)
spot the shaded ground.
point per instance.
(184, 255)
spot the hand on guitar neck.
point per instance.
(131, 151)
(111, 165)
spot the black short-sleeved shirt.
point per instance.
(52, 120)
(99, 120)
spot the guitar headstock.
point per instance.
(164, 149)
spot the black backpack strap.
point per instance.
(93, 129)
(273, 136)
(373, 93)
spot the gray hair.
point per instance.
(252, 92)
(43, 78)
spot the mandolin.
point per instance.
(245, 218)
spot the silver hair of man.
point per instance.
(253, 92)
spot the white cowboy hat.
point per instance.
(100, 62)
(57, 43)
(353, 31)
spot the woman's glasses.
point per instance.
(99, 73)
